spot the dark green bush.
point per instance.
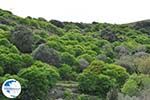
(47, 55)
(22, 37)
(68, 59)
(66, 73)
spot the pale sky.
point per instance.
(110, 11)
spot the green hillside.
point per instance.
(56, 60)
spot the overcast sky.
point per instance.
(110, 11)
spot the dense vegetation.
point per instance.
(107, 61)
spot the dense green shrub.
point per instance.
(5, 42)
(66, 73)
(39, 80)
(27, 60)
(91, 80)
(87, 57)
(95, 84)
(56, 45)
(4, 34)
(11, 63)
(68, 59)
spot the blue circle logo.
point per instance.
(11, 88)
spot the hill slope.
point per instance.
(100, 60)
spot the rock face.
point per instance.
(67, 90)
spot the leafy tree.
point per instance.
(46, 54)
(22, 37)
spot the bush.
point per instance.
(95, 84)
(142, 64)
(135, 84)
(87, 57)
(66, 73)
(47, 55)
(121, 51)
(104, 58)
(27, 60)
(7, 50)
(130, 88)
(5, 42)
(117, 72)
(11, 63)
(109, 35)
(127, 63)
(4, 34)
(100, 77)
(22, 37)
(68, 59)
(40, 80)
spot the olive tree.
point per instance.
(22, 37)
(47, 55)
